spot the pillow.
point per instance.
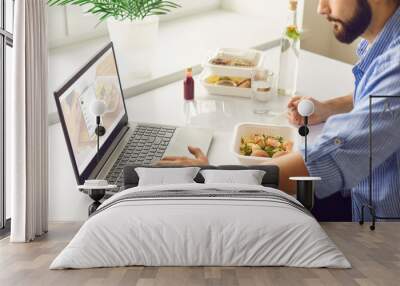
(166, 176)
(246, 177)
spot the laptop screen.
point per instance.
(98, 80)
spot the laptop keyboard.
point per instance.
(146, 145)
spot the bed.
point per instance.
(201, 224)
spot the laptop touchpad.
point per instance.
(183, 137)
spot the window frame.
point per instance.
(6, 39)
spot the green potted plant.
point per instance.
(132, 27)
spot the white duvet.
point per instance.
(200, 232)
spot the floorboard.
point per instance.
(375, 257)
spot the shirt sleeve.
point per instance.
(340, 155)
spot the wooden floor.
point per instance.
(375, 257)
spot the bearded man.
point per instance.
(340, 155)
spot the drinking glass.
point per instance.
(262, 84)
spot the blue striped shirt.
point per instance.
(340, 154)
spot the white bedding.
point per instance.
(194, 231)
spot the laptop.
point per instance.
(124, 143)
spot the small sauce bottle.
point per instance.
(188, 85)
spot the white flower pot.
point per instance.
(135, 43)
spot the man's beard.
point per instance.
(347, 32)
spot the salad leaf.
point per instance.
(293, 33)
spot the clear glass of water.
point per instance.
(262, 84)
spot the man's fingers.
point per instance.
(293, 115)
(200, 159)
(293, 105)
(197, 153)
(173, 158)
(296, 97)
(294, 118)
(168, 163)
(186, 163)
(294, 101)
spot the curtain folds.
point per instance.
(28, 125)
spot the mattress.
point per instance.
(201, 225)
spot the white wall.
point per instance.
(190, 7)
(264, 12)
(320, 38)
(68, 25)
(343, 52)
(318, 35)
(271, 12)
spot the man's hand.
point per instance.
(320, 114)
(199, 159)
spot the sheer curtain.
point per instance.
(27, 120)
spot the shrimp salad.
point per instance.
(265, 146)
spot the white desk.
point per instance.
(319, 77)
(194, 42)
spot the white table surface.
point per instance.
(194, 43)
(319, 77)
